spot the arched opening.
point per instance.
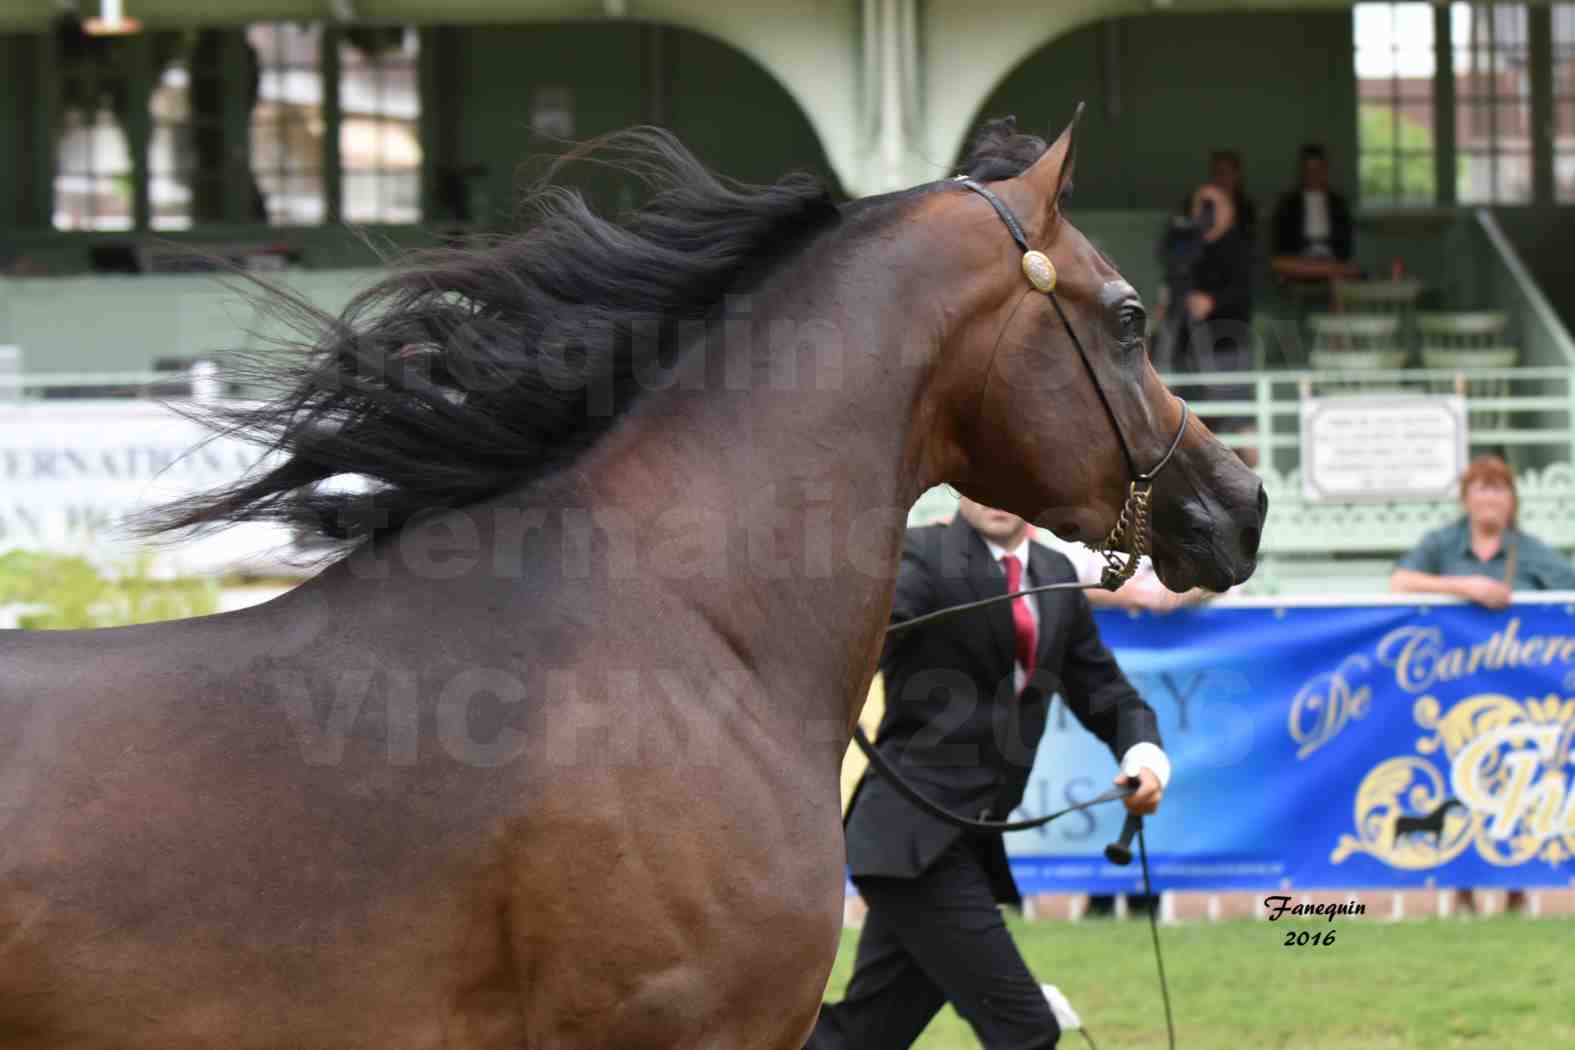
(1164, 89)
(507, 93)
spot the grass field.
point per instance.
(1428, 984)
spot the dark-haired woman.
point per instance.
(1206, 311)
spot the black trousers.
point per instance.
(927, 941)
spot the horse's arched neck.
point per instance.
(790, 470)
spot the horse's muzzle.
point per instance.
(1214, 544)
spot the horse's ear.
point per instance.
(1051, 175)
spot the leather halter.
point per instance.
(1130, 535)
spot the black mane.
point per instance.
(470, 371)
(1000, 151)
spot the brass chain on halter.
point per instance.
(1129, 537)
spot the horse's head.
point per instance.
(1055, 408)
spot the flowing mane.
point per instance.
(469, 371)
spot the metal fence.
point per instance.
(1526, 414)
(200, 381)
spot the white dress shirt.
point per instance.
(1315, 222)
(1138, 755)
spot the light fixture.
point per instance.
(112, 21)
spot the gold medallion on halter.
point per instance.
(1039, 270)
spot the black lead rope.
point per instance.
(941, 614)
(974, 827)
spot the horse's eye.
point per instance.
(1134, 324)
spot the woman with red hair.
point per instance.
(1483, 557)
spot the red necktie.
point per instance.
(1022, 617)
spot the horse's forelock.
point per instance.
(999, 151)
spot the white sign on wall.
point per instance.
(71, 473)
(1383, 447)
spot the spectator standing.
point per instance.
(1225, 171)
(1483, 557)
(1206, 305)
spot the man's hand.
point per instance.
(1200, 305)
(1485, 591)
(1139, 597)
(1146, 799)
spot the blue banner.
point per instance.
(1334, 747)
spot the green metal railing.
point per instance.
(125, 384)
(1537, 407)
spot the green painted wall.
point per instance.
(642, 74)
(16, 58)
(1542, 238)
(752, 130)
(1165, 89)
(502, 68)
(126, 324)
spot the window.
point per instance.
(379, 129)
(1564, 103)
(171, 163)
(1394, 79)
(93, 184)
(186, 155)
(236, 125)
(1492, 103)
(287, 122)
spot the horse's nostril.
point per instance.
(1263, 504)
(1249, 541)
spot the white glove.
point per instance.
(1065, 1016)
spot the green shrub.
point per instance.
(63, 592)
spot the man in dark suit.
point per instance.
(966, 703)
(1312, 221)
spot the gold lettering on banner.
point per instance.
(1326, 704)
(1505, 788)
(1421, 661)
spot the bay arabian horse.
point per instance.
(549, 758)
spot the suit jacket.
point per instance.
(952, 723)
(1290, 220)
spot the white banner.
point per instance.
(1383, 447)
(71, 472)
